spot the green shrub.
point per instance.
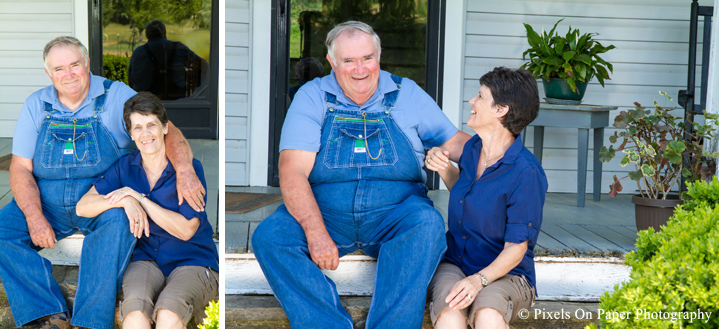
(212, 321)
(674, 270)
(115, 67)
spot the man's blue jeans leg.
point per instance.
(106, 251)
(409, 243)
(27, 276)
(307, 296)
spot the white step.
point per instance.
(558, 278)
(67, 251)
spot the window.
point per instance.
(168, 48)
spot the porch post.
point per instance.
(712, 85)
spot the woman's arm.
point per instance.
(92, 204)
(174, 223)
(508, 259)
(437, 159)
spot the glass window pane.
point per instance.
(400, 24)
(159, 46)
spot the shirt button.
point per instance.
(460, 257)
(461, 201)
(155, 249)
(530, 224)
(464, 237)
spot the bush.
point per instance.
(116, 67)
(674, 270)
(212, 321)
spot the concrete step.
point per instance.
(264, 312)
(568, 279)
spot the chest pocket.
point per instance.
(69, 145)
(346, 144)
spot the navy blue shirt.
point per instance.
(503, 205)
(162, 247)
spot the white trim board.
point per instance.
(558, 279)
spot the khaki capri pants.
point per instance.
(507, 294)
(186, 291)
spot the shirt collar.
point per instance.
(96, 89)
(386, 85)
(136, 161)
(511, 154)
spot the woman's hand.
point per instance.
(437, 159)
(137, 216)
(464, 292)
(117, 195)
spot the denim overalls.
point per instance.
(69, 155)
(368, 186)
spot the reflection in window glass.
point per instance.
(400, 24)
(160, 46)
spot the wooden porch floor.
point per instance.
(600, 229)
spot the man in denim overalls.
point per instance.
(68, 134)
(351, 176)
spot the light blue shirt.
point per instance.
(32, 115)
(415, 112)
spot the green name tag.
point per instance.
(68, 148)
(359, 146)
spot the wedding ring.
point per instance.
(137, 221)
(469, 297)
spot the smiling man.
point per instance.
(352, 149)
(68, 134)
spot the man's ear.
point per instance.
(329, 59)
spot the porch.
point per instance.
(579, 253)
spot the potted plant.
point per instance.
(567, 63)
(662, 149)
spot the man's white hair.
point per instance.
(65, 41)
(350, 27)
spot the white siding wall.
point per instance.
(651, 37)
(25, 27)
(237, 91)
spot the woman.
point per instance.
(495, 210)
(173, 272)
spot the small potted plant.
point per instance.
(565, 64)
(662, 149)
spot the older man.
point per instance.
(351, 177)
(68, 134)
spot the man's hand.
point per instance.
(41, 232)
(190, 188)
(323, 251)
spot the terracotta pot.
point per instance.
(654, 212)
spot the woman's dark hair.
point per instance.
(144, 103)
(516, 89)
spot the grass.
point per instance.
(117, 39)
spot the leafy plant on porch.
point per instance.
(673, 270)
(653, 140)
(571, 57)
